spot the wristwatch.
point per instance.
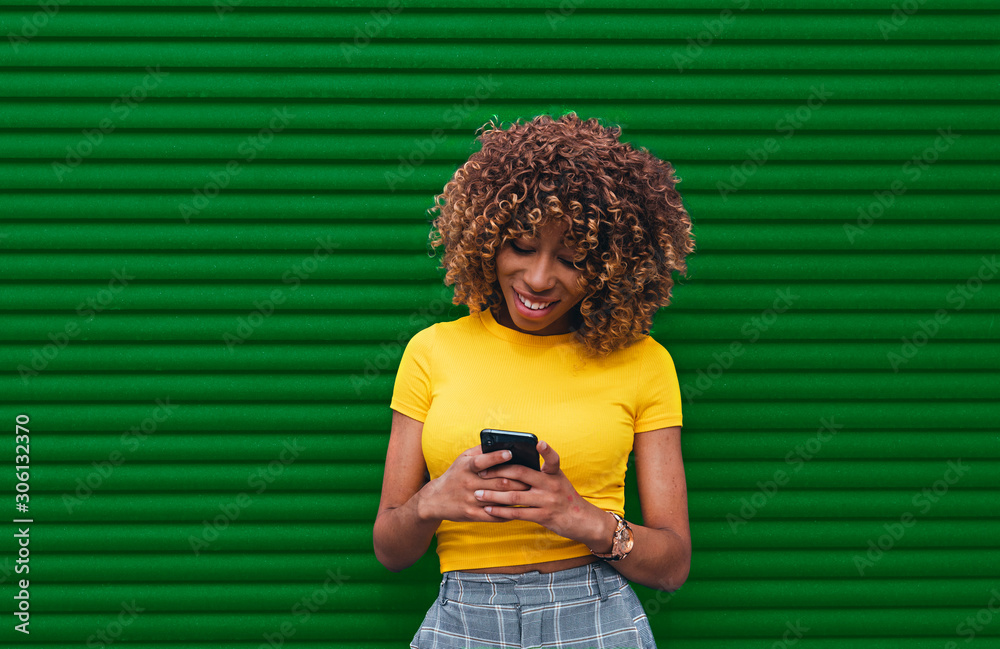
(621, 541)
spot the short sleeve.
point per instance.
(658, 402)
(411, 394)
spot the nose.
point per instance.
(538, 276)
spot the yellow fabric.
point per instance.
(473, 373)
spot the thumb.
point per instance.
(550, 456)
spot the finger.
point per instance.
(511, 513)
(504, 497)
(506, 484)
(514, 471)
(551, 458)
(486, 460)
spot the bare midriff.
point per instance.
(544, 566)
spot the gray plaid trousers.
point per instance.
(587, 606)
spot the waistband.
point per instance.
(530, 588)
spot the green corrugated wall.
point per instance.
(213, 247)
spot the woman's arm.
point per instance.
(661, 555)
(400, 536)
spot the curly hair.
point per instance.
(626, 220)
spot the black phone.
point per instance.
(521, 446)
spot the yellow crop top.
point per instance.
(462, 376)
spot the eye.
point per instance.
(566, 262)
(571, 264)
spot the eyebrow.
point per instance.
(564, 246)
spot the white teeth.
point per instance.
(531, 305)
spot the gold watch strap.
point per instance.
(616, 553)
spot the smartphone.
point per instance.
(521, 446)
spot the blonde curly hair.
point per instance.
(627, 221)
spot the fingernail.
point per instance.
(505, 455)
(479, 493)
(544, 446)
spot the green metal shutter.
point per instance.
(213, 253)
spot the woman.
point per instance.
(561, 240)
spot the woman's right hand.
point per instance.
(451, 496)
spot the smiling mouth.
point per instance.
(534, 306)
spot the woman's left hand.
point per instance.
(550, 500)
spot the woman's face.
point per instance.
(540, 270)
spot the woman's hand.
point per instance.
(451, 496)
(551, 501)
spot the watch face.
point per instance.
(625, 541)
(622, 543)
